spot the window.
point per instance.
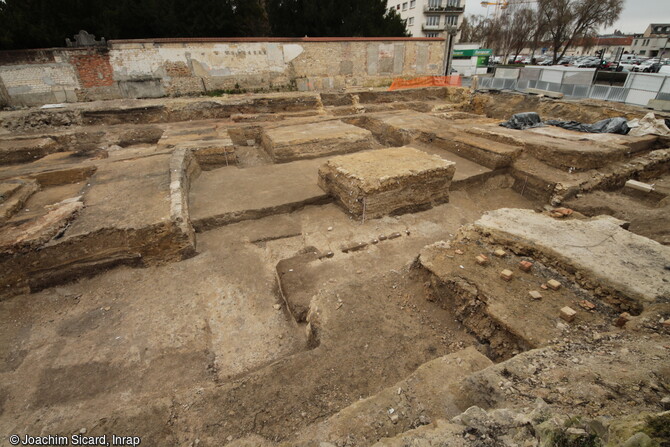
(454, 3)
(643, 52)
(434, 3)
(412, 4)
(410, 21)
(432, 34)
(398, 7)
(433, 20)
(404, 6)
(451, 20)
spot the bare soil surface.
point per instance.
(194, 299)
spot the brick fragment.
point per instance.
(459, 252)
(525, 266)
(553, 284)
(586, 304)
(482, 259)
(561, 212)
(500, 253)
(535, 295)
(507, 275)
(544, 287)
(568, 314)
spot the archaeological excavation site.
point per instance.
(349, 267)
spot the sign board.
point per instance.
(472, 53)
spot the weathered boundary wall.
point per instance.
(174, 67)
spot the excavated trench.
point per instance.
(182, 259)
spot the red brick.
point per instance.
(525, 266)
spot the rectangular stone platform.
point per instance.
(387, 181)
(400, 128)
(314, 140)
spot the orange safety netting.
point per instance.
(426, 81)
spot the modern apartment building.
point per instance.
(654, 41)
(429, 18)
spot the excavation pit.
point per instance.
(156, 254)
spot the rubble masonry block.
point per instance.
(387, 181)
(315, 140)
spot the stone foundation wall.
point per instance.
(175, 67)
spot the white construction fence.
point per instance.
(639, 88)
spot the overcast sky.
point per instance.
(636, 16)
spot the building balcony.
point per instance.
(443, 9)
(441, 27)
(427, 27)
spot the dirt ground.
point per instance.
(162, 276)
(207, 329)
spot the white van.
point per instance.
(629, 57)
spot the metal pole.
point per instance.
(448, 50)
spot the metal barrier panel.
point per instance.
(507, 73)
(498, 83)
(617, 94)
(485, 82)
(522, 84)
(579, 76)
(639, 97)
(542, 85)
(599, 92)
(554, 87)
(581, 91)
(530, 73)
(509, 84)
(663, 96)
(552, 75)
(567, 89)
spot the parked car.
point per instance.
(646, 65)
(655, 67)
(627, 66)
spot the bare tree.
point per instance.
(473, 28)
(569, 20)
(522, 26)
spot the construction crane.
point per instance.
(499, 5)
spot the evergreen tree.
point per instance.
(46, 23)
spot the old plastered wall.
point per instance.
(39, 84)
(173, 67)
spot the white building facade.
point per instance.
(655, 42)
(429, 18)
